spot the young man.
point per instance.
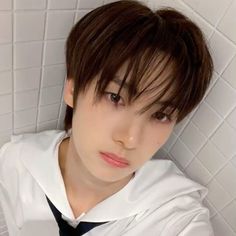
(132, 75)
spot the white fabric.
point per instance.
(159, 200)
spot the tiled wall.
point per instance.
(32, 71)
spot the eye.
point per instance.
(162, 117)
(114, 98)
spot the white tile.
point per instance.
(62, 4)
(198, 172)
(224, 139)
(6, 27)
(221, 227)
(233, 160)
(25, 118)
(49, 125)
(84, 4)
(5, 4)
(160, 154)
(53, 75)
(217, 195)
(222, 51)
(27, 129)
(210, 207)
(193, 138)
(228, 21)
(222, 105)
(25, 100)
(230, 72)
(156, 4)
(5, 104)
(171, 140)
(181, 154)
(47, 113)
(232, 118)
(30, 4)
(202, 117)
(54, 52)
(211, 158)
(29, 26)
(80, 14)
(24, 57)
(5, 122)
(27, 79)
(227, 178)
(50, 95)
(59, 24)
(4, 138)
(229, 213)
(6, 82)
(180, 126)
(211, 10)
(5, 57)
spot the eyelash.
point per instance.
(168, 117)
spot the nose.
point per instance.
(128, 133)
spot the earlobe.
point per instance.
(69, 92)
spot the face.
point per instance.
(113, 128)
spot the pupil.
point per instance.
(115, 98)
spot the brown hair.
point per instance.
(128, 31)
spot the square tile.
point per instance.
(227, 178)
(192, 138)
(171, 140)
(217, 195)
(221, 227)
(232, 118)
(229, 213)
(225, 132)
(54, 52)
(29, 4)
(198, 172)
(84, 4)
(5, 122)
(211, 10)
(59, 24)
(202, 117)
(5, 104)
(222, 51)
(29, 26)
(54, 75)
(181, 154)
(228, 21)
(4, 138)
(6, 27)
(80, 14)
(211, 158)
(62, 4)
(230, 72)
(48, 113)
(25, 118)
(49, 125)
(214, 98)
(23, 56)
(26, 100)
(27, 79)
(5, 57)
(5, 4)
(6, 82)
(50, 95)
(26, 129)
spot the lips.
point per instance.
(114, 160)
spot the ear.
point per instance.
(69, 92)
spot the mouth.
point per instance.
(114, 160)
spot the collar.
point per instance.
(154, 184)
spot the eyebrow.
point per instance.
(117, 81)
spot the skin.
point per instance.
(106, 127)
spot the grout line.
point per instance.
(41, 71)
(13, 72)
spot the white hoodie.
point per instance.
(158, 200)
